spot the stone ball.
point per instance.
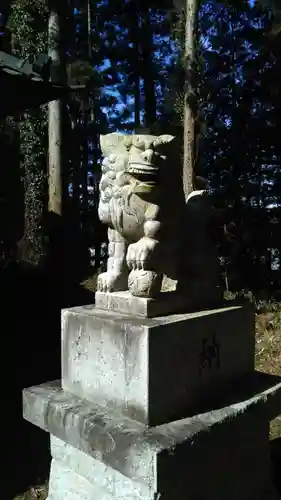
(143, 283)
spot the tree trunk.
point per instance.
(190, 105)
(87, 114)
(84, 158)
(56, 110)
(75, 158)
(147, 70)
(135, 30)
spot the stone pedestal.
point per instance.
(155, 370)
(163, 406)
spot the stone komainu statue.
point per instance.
(153, 232)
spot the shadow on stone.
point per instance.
(245, 389)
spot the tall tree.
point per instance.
(148, 69)
(27, 24)
(57, 37)
(190, 105)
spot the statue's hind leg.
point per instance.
(115, 279)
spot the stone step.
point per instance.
(222, 454)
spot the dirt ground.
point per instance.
(268, 353)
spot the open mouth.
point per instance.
(145, 169)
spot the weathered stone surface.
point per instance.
(98, 479)
(143, 235)
(155, 370)
(75, 475)
(126, 303)
(153, 231)
(217, 455)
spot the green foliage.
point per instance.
(80, 72)
(28, 25)
(34, 144)
(274, 6)
(11, 200)
(133, 63)
(239, 129)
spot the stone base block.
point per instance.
(166, 303)
(219, 455)
(159, 369)
(77, 475)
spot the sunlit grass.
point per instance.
(34, 493)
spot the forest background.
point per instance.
(131, 57)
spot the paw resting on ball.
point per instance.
(140, 253)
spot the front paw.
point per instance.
(139, 254)
(112, 282)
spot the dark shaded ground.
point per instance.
(30, 354)
(276, 463)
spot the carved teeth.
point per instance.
(136, 171)
(146, 169)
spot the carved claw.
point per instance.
(139, 253)
(112, 282)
